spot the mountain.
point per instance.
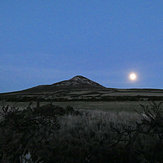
(78, 82)
(75, 83)
(82, 88)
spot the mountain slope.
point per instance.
(82, 88)
(78, 82)
(75, 83)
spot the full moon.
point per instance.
(132, 76)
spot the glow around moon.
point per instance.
(133, 76)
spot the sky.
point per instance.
(46, 41)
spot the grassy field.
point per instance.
(65, 135)
(127, 106)
(105, 106)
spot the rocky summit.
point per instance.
(78, 82)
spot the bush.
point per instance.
(63, 135)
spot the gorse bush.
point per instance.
(23, 131)
(64, 135)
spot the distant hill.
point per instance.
(82, 88)
(78, 82)
(75, 83)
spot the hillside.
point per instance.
(75, 83)
(82, 88)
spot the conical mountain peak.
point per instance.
(78, 82)
(79, 78)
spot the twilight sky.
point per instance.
(46, 41)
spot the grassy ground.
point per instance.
(128, 106)
(105, 106)
(65, 135)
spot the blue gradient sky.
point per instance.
(45, 41)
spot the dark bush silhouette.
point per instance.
(46, 135)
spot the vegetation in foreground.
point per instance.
(50, 134)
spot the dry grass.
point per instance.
(115, 106)
(89, 136)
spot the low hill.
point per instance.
(75, 83)
(82, 88)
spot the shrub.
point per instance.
(63, 135)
